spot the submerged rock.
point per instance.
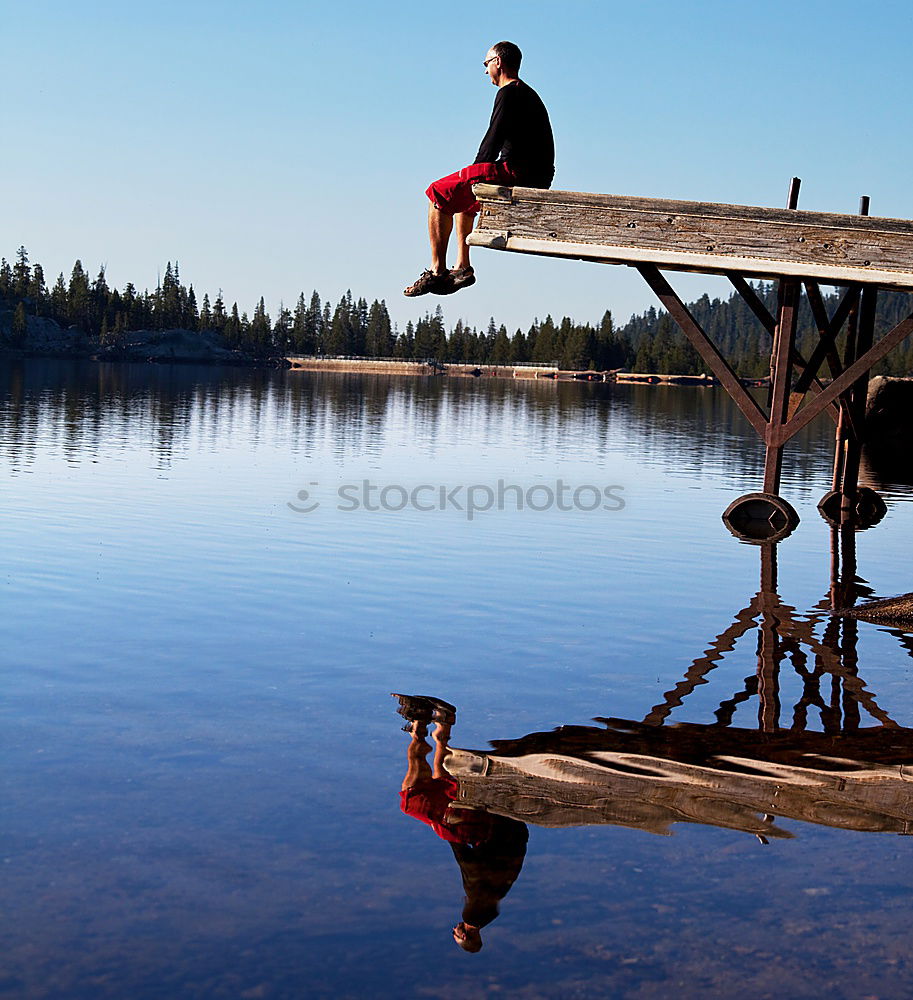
(894, 611)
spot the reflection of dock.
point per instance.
(800, 250)
(647, 778)
(651, 774)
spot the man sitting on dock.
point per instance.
(518, 149)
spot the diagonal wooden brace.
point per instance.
(770, 325)
(862, 365)
(705, 347)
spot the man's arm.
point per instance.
(494, 137)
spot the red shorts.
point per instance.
(453, 193)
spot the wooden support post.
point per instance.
(769, 651)
(781, 368)
(861, 339)
(849, 356)
(857, 400)
(849, 626)
(780, 375)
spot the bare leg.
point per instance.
(463, 222)
(440, 225)
(441, 737)
(416, 763)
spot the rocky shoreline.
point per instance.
(44, 338)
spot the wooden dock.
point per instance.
(696, 236)
(800, 250)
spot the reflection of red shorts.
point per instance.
(429, 800)
(453, 193)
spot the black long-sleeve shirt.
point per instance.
(521, 134)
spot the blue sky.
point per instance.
(278, 147)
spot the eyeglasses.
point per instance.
(490, 59)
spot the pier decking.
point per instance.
(696, 236)
(798, 249)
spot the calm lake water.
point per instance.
(212, 581)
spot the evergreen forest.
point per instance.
(648, 342)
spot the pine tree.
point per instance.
(315, 324)
(339, 339)
(544, 350)
(358, 324)
(260, 327)
(37, 291)
(519, 348)
(206, 314)
(299, 327)
(500, 348)
(59, 312)
(191, 317)
(282, 330)
(405, 341)
(326, 324)
(219, 317)
(456, 343)
(22, 273)
(379, 335)
(78, 298)
(233, 327)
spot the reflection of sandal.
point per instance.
(421, 708)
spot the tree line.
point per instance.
(648, 342)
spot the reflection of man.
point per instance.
(488, 848)
(518, 149)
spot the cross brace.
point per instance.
(793, 407)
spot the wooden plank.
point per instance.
(703, 237)
(664, 206)
(670, 260)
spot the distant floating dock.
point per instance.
(799, 250)
(395, 366)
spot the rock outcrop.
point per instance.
(43, 337)
(172, 346)
(46, 338)
(889, 414)
(889, 427)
